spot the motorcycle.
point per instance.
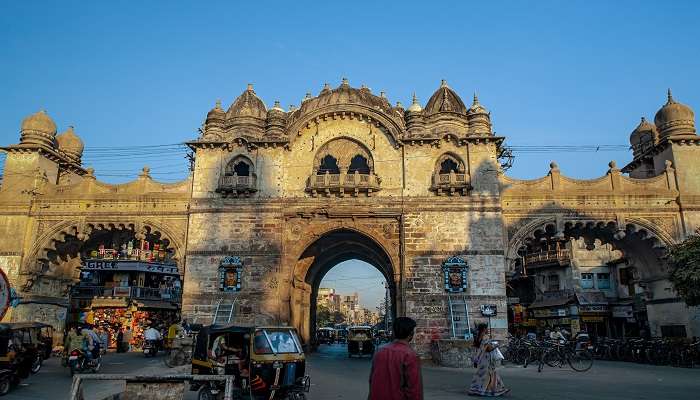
(78, 363)
(150, 348)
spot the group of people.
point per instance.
(396, 371)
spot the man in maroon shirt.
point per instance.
(395, 371)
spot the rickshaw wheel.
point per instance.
(5, 386)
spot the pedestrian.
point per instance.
(486, 381)
(126, 337)
(396, 372)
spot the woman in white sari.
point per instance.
(486, 381)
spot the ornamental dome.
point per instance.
(38, 128)
(479, 118)
(248, 104)
(643, 137)
(70, 144)
(415, 105)
(445, 100)
(345, 94)
(675, 119)
(217, 112)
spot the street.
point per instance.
(335, 376)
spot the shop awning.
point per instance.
(163, 305)
(553, 302)
(108, 302)
(591, 298)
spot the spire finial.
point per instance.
(670, 96)
(250, 87)
(326, 86)
(443, 83)
(476, 98)
(415, 98)
(344, 82)
(644, 120)
(218, 104)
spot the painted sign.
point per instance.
(230, 274)
(455, 274)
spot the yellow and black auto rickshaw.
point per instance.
(360, 341)
(22, 352)
(266, 362)
(325, 336)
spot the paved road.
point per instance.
(334, 376)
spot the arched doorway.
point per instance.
(329, 250)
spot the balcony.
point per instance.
(237, 185)
(550, 258)
(341, 184)
(451, 184)
(129, 292)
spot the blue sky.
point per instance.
(357, 276)
(146, 73)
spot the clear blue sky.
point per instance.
(357, 276)
(551, 72)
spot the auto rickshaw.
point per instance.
(360, 341)
(325, 336)
(22, 350)
(266, 362)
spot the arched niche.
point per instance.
(344, 150)
(450, 176)
(239, 177)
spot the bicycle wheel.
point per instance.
(552, 358)
(580, 361)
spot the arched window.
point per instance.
(359, 164)
(328, 164)
(449, 165)
(241, 168)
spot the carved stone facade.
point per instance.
(344, 176)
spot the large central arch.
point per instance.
(321, 256)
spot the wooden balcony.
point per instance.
(342, 184)
(451, 184)
(548, 258)
(237, 185)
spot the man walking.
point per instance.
(396, 371)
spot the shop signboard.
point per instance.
(622, 311)
(593, 308)
(488, 310)
(101, 265)
(593, 318)
(550, 312)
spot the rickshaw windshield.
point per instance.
(360, 333)
(271, 341)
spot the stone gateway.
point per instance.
(278, 197)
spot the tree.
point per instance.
(685, 269)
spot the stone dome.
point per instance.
(345, 94)
(217, 112)
(415, 105)
(248, 104)
(70, 144)
(479, 118)
(445, 100)
(675, 119)
(643, 130)
(38, 128)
